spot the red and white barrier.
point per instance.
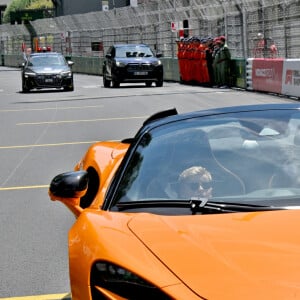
(267, 75)
(291, 77)
(279, 76)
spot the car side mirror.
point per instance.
(69, 188)
(159, 55)
(70, 63)
(108, 55)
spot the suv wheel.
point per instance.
(106, 82)
(25, 89)
(159, 83)
(69, 88)
(115, 84)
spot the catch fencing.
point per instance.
(161, 23)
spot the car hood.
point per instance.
(136, 60)
(228, 256)
(48, 69)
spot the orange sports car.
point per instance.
(201, 205)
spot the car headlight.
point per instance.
(157, 63)
(110, 278)
(29, 74)
(66, 74)
(120, 64)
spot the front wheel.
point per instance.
(106, 82)
(69, 88)
(115, 84)
(25, 89)
(159, 83)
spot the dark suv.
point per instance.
(132, 63)
(45, 70)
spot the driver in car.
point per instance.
(195, 182)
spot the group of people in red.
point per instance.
(204, 61)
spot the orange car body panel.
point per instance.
(104, 157)
(253, 255)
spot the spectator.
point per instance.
(224, 59)
(27, 53)
(216, 66)
(209, 59)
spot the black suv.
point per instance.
(47, 70)
(132, 63)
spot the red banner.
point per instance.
(267, 75)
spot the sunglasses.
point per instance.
(196, 185)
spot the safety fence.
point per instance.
(245, 23)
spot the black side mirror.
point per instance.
(69, 185)
(69, 188)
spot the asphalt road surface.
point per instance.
(44, 133)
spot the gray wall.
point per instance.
(71, 7)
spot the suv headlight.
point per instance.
(120, 64)
(29, 74)
(157, 63)
(66, 74)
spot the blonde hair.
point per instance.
(198, 171)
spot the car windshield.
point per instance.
(246, 157)
(46, 60)
(133, 51)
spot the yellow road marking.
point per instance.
(50, 108)
(42, 297)
(47, 145)
(81, 121)
(14, 188)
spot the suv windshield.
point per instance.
(133, 51)
(47, 60)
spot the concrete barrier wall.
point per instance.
(11, 60)
(93, 65)
(87, 65)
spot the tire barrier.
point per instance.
(249, 74)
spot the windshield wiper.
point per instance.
(203, 205)
(197, 205)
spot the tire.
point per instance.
(25, 89)
(69, 88)
(106, 82)
(115, 84)
(159, 83)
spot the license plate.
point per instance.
(48, 80)
(140, 73)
